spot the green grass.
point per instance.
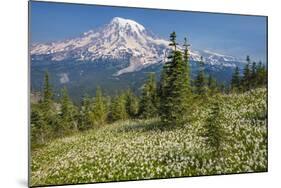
(139, 149)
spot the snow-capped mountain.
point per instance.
(120, 39)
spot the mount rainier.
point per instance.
(115, 56)
(120, 39)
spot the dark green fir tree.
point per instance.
(99, 111)
(175, 86)
(199, 82)
(235, 81)
(132, 104)
(246, 80)
(149, 98)
(68, 114)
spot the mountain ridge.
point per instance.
(120, 39)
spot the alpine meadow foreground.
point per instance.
(139, 149)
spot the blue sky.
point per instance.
(228, 34)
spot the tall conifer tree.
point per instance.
(68, 114)
(235, 81)
(46, 111)
(47, 92)
(132, 104)
(253, 75)
(84, 120)
(200, 86)
(149, 98)
(118, 109)
(99, 109)
(213, 132)
(261, 75)
(246, 80)
(175, 86)
(212, 85)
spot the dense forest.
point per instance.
(178, 126)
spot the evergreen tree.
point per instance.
(175, 86)
(118, 108)
(44, 118)
(235, 81)
(149, 99)
(68, 114)
(47, 103)
(173, 42)
(39, 127)
(163, 86)
(213, 132)
(49, 109)
(186, 90)
(186, 72)
(212, 85)
(246, 80)
(261, 75)
(264, 75)
(166, 71)
(254, 75)
(48, 94)
(99, 109)
(199, 83)
(132, 104)
(84, 120)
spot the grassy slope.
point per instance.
(138, 150)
